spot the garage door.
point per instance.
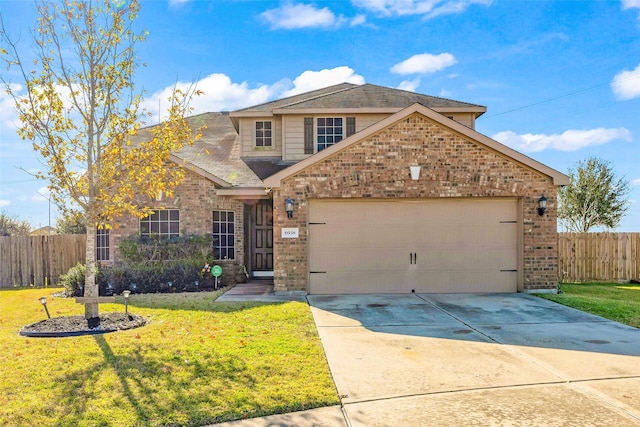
(434, 246)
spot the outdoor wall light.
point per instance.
(126, 294)
(288, 206)
(43, 301)
(542, 205)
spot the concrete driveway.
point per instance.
(480, 360)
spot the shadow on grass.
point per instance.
(155, 390)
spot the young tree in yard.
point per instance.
(10, 226)
(77, 104)
(595, 197)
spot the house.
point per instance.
(363, 189)
(47, 230)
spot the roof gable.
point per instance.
(215, 156)
(351, 97)
(557, 177)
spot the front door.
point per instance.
(262, 236)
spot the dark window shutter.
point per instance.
(351, 126)
(308, 135)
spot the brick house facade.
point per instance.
(193, 197)
(376, 168)
(386, 132)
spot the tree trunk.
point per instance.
(91, 288)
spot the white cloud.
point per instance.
(221, 94)
(626, 84)
(358, 20)
(635, 181)
(410, 85)
(427, 8)
(628, 4)
(4, 203)
(8, 113)
(570, 140)
(291, 16)
(42, 195)
(424, 63)
(177, 3)
(312, 80)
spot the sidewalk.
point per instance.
(330, 416)
(259, 290)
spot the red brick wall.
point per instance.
(196, 198)
(452, 166)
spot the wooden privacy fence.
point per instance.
(26, 260)
(608, 257)
(30, 260)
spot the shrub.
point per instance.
(151, 265)
(73, 280)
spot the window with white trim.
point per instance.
(163, 222)
(224, 244)
(329, 130)
(264, 134)
(102, 244)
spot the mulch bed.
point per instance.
(77, 325)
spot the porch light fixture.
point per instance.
(415, 172)
(288, 207)
(542, 205)
(43, 301)
(126, 294)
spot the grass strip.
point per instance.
(612, 301)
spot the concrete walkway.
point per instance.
(481, 360)
(259, 290)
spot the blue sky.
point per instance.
(560, 79)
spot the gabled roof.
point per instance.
(217, 154)
(283, 102)
(559, 178)
(351, 98)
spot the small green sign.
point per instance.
(216, 271)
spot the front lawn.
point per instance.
(196, 362)
(613, 301)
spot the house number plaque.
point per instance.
(290, 233)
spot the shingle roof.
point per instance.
(217, 154)
(218, 151)
(283, 102)
(347, 95)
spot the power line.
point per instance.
(632, 75)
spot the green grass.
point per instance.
(196, 362)
(610, 300)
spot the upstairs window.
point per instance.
(330, 130)
(264, 134)
(163, 222)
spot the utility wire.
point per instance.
(632, 75)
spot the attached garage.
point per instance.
(470, 222)
(422, 246)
